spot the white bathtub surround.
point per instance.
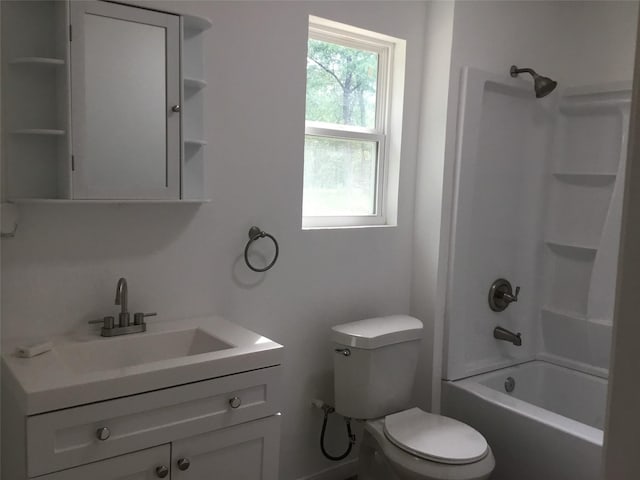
(491, 36)
(549, 427)
(563, 250)
(499, 186)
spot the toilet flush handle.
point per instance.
(344, 351)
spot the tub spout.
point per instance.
(507, 335)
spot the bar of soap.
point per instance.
(28, 351)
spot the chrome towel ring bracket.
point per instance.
(254, 234)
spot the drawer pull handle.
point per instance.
(162, 471)
(184, 464)
(235, 402)
(103, 434)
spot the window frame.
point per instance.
(385, 47)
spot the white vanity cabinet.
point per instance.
(224, 428)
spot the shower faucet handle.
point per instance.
(501, 295)
(507, 297)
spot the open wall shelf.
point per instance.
(194, 143)
(38, 61)
(193, 98)
(194, 83)
(196, 23)
(38, 131)
(35, 99)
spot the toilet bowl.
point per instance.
(384, 458)
(374, 365)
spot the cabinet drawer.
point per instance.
(69, 437)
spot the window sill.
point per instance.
(347, 227)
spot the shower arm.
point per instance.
(515, 71)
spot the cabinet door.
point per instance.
(248, 451)
(141, 465)
(125, 95)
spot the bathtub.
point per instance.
(550, 427)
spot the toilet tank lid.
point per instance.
(377, 332)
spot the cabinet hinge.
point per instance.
(73, 163)
(70, 33)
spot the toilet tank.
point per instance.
(374, 365)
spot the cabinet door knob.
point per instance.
(235, 402)
(162, 471)
(176, 109)
(103, 433)
(184, 464)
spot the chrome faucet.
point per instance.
(122, 299)
(500, 333)
(124, 317)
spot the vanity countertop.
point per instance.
(71, 373)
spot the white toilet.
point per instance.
(374, 367)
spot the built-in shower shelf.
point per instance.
(598, 90)
(576, 316)
(592, 106)
(571, 245)
(564, 313)
(577, 175)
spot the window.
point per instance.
(355, 81)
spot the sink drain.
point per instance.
(510, 384)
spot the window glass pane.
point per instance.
(341, 84)
(339, 177)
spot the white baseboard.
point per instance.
(339, 472)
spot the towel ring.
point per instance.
(254, 234)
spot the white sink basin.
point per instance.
(84, 368)
(137, 349)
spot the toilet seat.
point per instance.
(435, 438)
(407, 466)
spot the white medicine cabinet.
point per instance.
(101, 101)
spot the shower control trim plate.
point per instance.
(501, 295)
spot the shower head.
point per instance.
(542, 85)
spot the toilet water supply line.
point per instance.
(328, 409)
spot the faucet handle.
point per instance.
(107, 322)
(138, 318)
